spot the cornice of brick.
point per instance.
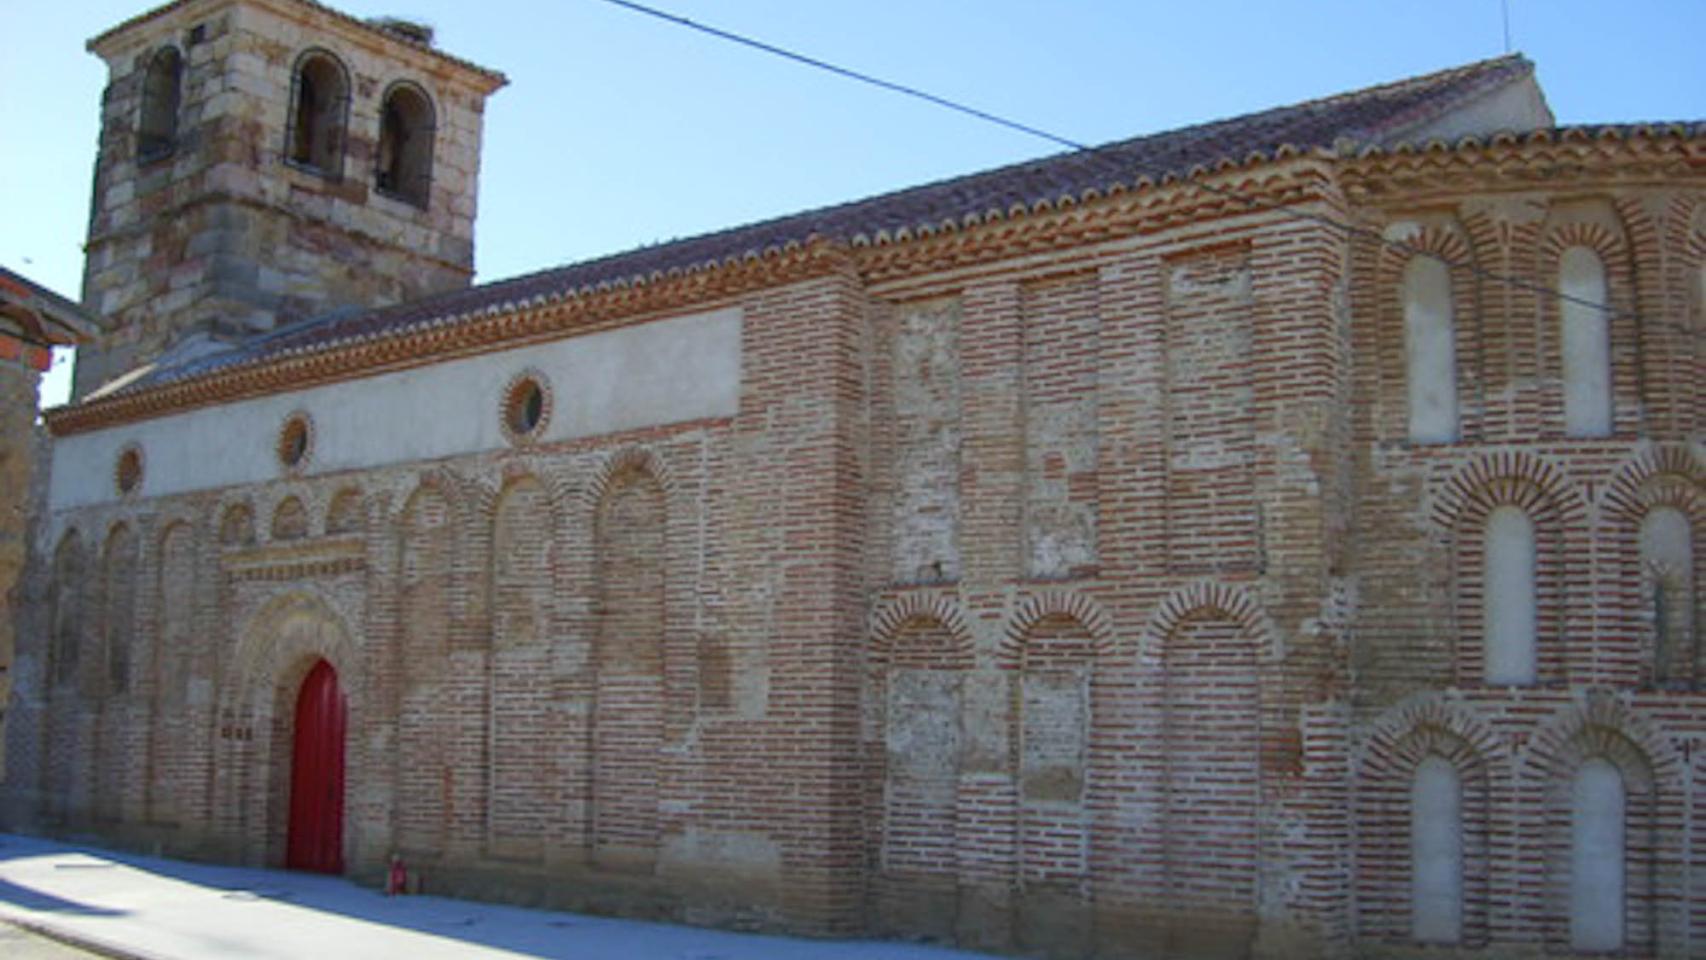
(1542, 160)
(1122, 213)
(499, 327)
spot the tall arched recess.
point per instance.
(1585, 339)
(316, 829)
(1430, 351)
(627, 740)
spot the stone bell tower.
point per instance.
(264, 161)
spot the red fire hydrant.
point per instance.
(397, 881)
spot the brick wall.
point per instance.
(1091, 602)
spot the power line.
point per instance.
(847, 72)
(1289, 210)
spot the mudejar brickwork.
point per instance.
(1271, 538)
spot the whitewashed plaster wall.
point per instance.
(666, 371)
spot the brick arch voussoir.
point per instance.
(893, 616)
(171, 518)
(1513, 477)
(1406, 733)
(278, 508)
(1054, 603)
(228, 507)
(1208, 598)
(1609, 245)
(1453, 245)
(262, 659)
(71, 534)
(454, 489)
(624, 460)
(1586, 727)
(124, 526)
(1631, 492)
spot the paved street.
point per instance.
(19, 944)
(145, 908)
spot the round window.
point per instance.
(295, 439)
(527, 406)
(127, 473)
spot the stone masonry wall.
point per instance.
(223, 233)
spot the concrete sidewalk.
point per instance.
(151, 909)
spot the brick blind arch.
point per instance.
(1469, 502)
(167, 781)
(68, 600)
(1591, 261)
(1392, 758)
(110, 680)
(1663, 479)
(1570, 908)
(1054, 742)
(426, 544)
(523, 629)
(1439, 243)
(916, 762)
(118, 613)
(1211, 741)
(1584, 343)
(628, 700)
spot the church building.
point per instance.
(1276, 537)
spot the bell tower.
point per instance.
(265, 161)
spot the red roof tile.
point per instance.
(1373, 117)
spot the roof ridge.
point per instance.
(1015, 189)
(1436, 78)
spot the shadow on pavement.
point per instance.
(31, 899)
(537, 933)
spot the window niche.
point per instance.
(162, 93)
(1667, 581)
(1585, 341)
(406, 131)
(1436, 852)
(1430, 351)
(319, 108)
(1508, 598)
(1597, 857)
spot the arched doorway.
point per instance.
(316, 832)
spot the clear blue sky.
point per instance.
(618, 130)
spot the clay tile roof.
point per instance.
(1373, 117)
(44, 316)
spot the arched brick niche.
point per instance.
(916, 757)
(1424, 869)
(1654, 515)
(1514, 528)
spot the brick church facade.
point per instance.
(1271, 538)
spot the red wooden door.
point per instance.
(316, 839)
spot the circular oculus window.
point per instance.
(295, 441)
(127, 471)
(526, 406)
